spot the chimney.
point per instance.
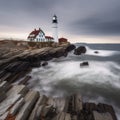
(34, 29)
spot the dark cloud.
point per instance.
(96, 26)
(95, 17)
(104, 21)
(22, 12)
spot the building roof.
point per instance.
(49, 37)
(34, 33)
(62, 38)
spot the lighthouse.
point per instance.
(55, 28)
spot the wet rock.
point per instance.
(4, 86)
(4, 116)
(75, 104)
(58, 52)
(80, 50)
(63, 116)
(89, 107)
(102, 116)
(51, 113)
(65, 54)
(45, 63)
(30, 100)
(17, 106)
(25, 80)
(36, 112)
(13, 95)
(107, 108)
(2, 96)
(17, 67)
(84, 64)
(70, 48)
(45, 56)
(35, 64)
(74, 117)
(96, 52)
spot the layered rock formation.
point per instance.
(21, 103)
(18, 102)
(15, 64)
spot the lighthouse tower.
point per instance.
(55, 27)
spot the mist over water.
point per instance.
(99, 82)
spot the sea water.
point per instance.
(98, 82)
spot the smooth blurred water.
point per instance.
(99, 82)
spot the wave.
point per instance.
(101, 52)
(99, 82)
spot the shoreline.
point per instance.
(16, 64)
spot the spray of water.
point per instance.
(99, 82)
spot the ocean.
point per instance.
(99, 82)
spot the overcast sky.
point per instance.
(79, 20)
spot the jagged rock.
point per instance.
(2, 96)
(84, 64)
(4, 116)
(58, 52)
(17, 67)
(36, 112)
(17, 106)
(5, 77)
(70, 48)
(46, 110)
(63, 116)
(60, 103)
(74, 117)
(25, 80)
(45, 63)
(107, 108)
(35, 64)
(30, 100)
(75, 104)
(90, 107)
(102, 116)
(80, 50)
(4, 86)
(13, 95)
(65, 54)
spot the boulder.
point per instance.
(45, 63)
(96, 52)
(84, 64)
(80, 50)
(70, 48)
(65, 54)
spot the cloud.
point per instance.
(96, 26)
(78, 17)
(22, 12)
(99, 22)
